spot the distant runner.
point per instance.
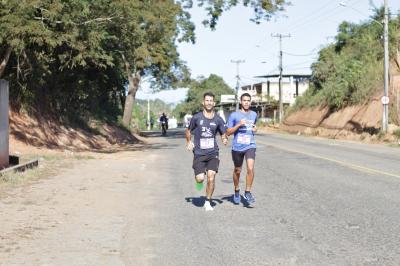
(242, 124)
(205, 126)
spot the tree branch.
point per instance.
(4, 62)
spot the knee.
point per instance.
(199, 178)
(250, 171)
(211, 176)
(237, 170)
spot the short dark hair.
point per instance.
(245, 94)
(208, 94)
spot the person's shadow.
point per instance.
(199, 201)
(229, 198)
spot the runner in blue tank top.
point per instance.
(242, 124)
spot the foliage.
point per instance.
(351, 69)
(194, 99)
(73, 58)
(396, 133)
(263, 9)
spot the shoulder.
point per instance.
(233, 114)
(197, 115)
(219, 118)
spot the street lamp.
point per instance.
(385, 98)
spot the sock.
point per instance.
(237, 191)
(247, 191)
(209, 200)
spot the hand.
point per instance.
(190, 146)
(254, 128)
(225, 141)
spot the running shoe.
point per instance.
(249, 198)
(236, 197)
(207, 206)
(199, 185)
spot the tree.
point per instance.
(165, 23)
(197, 88)
(263, 9)
(146, 44)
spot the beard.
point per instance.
(208, 108)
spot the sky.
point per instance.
(311, 24)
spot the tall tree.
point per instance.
(194, 99)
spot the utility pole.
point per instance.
(237, 62)
(385, 98)
(280, 36)
(148, 113)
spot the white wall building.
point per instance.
(292, 86)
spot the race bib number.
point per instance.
(207, 143)
(243, 139)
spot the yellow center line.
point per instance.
(350, 165)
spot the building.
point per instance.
(265, 95)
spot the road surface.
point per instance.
(318, 202)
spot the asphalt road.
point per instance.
(318, 202)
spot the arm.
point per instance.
(254, 126)
(188, 135)
(189, 143)
(224, 138)
(232, 130)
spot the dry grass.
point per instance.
(49, 165)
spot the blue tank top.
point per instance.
(244, 136)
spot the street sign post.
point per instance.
(4, 148)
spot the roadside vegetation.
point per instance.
(194, 98)
(350, 70)
(79, 60)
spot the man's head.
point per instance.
(245, 101)
(208, 101)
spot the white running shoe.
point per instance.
(207, 206)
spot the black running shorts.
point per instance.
(238, 156)
(201, 163)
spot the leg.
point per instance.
(237, 158)
(236, 177)
(250, 174)
(250, 160)
(210, 183)
(199, 168)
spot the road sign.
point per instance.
(385, 99)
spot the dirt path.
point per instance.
(77, 216)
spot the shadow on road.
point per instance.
(242, 201)
(176, 133)
(199, 201)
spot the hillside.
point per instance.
(347, 85)
(32, 135)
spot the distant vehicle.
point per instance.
(172, 123)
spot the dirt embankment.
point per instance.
(30, 134)
(353, 122)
